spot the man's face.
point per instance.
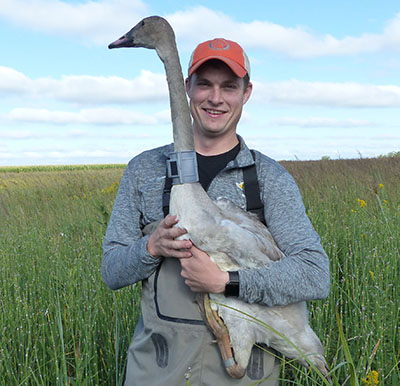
(217, 97)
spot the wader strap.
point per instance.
(251, 191)
(167, 194)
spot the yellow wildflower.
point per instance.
(361, 202)
(380, 186)
(3, 184)
(372, 378)
(111, 189)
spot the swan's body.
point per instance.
(223, 230)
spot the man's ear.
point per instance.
(247, 92)
(187, 85)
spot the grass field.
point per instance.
(60, 325)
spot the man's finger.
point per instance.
(176, 232)
(170, 220)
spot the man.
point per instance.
(171, 344)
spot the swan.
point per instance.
(225, 231)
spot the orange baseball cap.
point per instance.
(227, 51)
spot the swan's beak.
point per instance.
(121, 42)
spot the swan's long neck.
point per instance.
(180, 114)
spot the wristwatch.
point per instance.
(232, 287)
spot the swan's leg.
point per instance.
(217, 326)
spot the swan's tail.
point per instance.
(320, 363)
(218, 328)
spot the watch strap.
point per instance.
(232, 287)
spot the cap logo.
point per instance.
(219, 45)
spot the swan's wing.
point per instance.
(247, 232)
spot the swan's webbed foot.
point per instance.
(218, 328)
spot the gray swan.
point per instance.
(225, 231)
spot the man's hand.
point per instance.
(162, 241)
(201, 274)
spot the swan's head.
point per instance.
(151, 33)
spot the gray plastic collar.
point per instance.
(182, 167)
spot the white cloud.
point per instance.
(100, 116)
(95, 22)
(13, 81)
(62, 156)
(190, 28)
(18, 134)
(90, 21)
(41, 115)
(284, 147)
(82, 89)
(86, 89)
(152, 87)
(295, 42)
(321, 122)
(348, 94)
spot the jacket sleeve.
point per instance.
(304, 273)
(125, 256)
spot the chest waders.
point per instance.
(172, 345)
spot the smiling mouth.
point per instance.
(214, 112)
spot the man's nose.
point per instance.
(215, 96)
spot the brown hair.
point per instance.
(218, 64)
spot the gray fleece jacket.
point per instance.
(302, 275)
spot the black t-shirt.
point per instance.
(210, 166)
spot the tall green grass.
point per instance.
(60, 325)
(355, 207)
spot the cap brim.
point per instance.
(236, 68)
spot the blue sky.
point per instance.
(325, 74)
